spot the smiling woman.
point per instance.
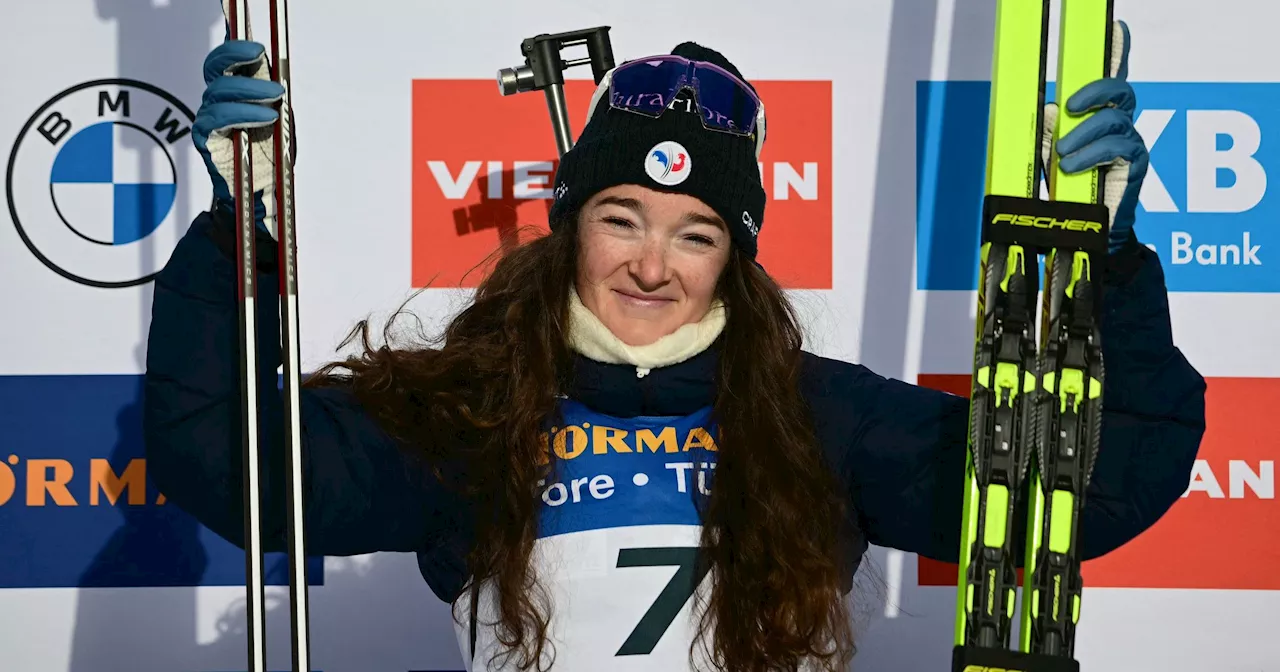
(649, 261)
(618, 455)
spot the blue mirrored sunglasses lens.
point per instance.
(646, 87)
(725, 104)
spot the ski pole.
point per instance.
(237, 16)
(544, 69)
(290, 347)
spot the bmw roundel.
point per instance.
(99, 181)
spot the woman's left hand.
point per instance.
(1106, 140)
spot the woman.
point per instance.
(555, 455)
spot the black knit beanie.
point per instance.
(618, 147)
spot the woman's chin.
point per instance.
(641, 330)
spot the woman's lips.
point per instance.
(642, 301)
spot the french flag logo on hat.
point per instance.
(668, 163)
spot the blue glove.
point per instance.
(1107, 140)
(239, 95)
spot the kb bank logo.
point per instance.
(1204, 206)
(95, 185)
(483, 166)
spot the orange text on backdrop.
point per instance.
(483, 165)
(1211, 537)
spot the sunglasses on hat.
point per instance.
(652, 85)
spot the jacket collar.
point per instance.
(616, 390)
(674, 376)
(589, 337)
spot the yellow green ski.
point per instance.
(1035, 402)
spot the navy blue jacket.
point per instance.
(898, 448)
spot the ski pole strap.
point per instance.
(983, 659)
(1045, 225)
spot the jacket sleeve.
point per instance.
(905, 460)
(362, 491)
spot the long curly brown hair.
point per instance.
(474, 402)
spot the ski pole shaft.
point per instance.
(239, 28)
(290, 348)
(237, 17)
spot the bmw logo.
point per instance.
(97, 182)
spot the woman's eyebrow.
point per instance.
(629, 203)
(699, 218)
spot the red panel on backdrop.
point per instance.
(483, 165)
(1221, 533)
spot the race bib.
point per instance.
(618, 539)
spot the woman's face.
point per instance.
(648, 260)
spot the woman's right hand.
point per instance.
(239, 95)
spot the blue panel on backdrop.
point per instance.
(76, 508)
(1204, 206)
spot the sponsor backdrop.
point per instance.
(412, 167)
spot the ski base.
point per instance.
(981, 659)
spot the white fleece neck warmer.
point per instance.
(589, 337)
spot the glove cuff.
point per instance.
(263, 214)
(223, 235)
